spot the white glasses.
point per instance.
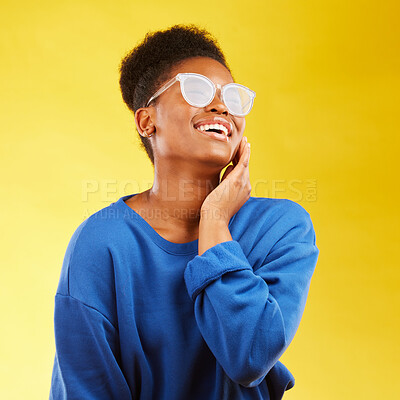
(199, 91)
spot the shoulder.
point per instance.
(281, 231)
(269, 220)
(100, 230)
(87, 272)
(270, 202)
(271, 210)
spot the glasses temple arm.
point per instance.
(162, 89)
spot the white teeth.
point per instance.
(220, 127)
(224, 129)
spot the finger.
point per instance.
(245, 156)
(236, 156)
(243, 164)
(239, 151)
(248, 151)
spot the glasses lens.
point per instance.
(197, 91)
(238, 99)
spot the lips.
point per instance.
(215, 120)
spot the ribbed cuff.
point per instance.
(212, 264)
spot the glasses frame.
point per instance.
(184, 75)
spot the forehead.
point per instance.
(206, 66)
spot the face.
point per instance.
(174, 119)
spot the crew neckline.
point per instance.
(170, 247)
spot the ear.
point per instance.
(144, 121)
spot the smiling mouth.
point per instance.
(215, 134)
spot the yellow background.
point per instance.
(326, 74)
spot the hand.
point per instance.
(233, 190)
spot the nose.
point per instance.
(217, 104)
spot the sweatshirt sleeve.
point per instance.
(248, 317)
(86, 360)
(87, 357)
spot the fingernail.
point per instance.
(249, 145)
(245, 138)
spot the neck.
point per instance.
(178, 195)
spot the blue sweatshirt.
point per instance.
(139, 317)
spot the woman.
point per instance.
(192, 289)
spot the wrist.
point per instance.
(214, 216)
(213, 229)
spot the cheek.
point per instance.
(241, 125)
(177, 115)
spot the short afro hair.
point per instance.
(148, 65)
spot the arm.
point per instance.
(86, 360)
(249, 317)
(211, 232)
